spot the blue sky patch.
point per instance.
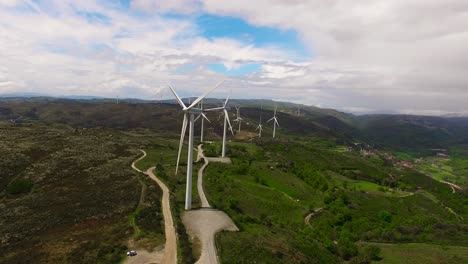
(243, 69)
(212, 26)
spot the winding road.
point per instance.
(170, 248)
(452, 185)
(201, 192)
(314, 213)
(206, 222)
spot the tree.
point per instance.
(385, 216)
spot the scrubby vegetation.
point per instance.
(311, 196)
(19, 186)
(70, 192)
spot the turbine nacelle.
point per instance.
(189, 111)
(189, 119)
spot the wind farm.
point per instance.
(258, 176)
(181, 132)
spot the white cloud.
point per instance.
(371, 48)
(56, 49)
(163, 6)
(10, 3)
(407, 55)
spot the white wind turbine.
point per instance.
(189, 117)
(275, 122)
(203, 117)
(224, 108)
(260, 126)
(238, 118)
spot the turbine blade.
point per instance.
(276, 121)
(204, 116)
(177, 97)
(197, 118)
(213, 109)
(227, 99)
(204, 95)
(229, 122)
(270, 119)
(182, 135)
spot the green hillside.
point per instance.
(331, 188)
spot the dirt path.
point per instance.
(169, 253)
(137, 160)
(314, 213)
(201, 192)
(452, 185)
(170, 250)
(206, 222)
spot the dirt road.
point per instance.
(452, 185)
(170, 250)
(169, 253)
(314, 213)
(201, 192)
(137, 160)
(206, 222)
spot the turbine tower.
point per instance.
(189, 113)
(238, 118)
(275, 122)
(260, 126)
(224, 108)
(203, 116)
(260, 129)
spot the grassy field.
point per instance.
(366, 186)
(453, 168)
(420, 253)
(268, 197)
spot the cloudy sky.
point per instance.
(407, 56)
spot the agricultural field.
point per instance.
(453, 170)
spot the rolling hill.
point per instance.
(365, 183)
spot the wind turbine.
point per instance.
(189, 113)
(15, 120)
(238, 118)
(275, 122)
(260, 127)
(224, 108)
(203, 117)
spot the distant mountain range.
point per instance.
(267, 104)
(398, 132)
